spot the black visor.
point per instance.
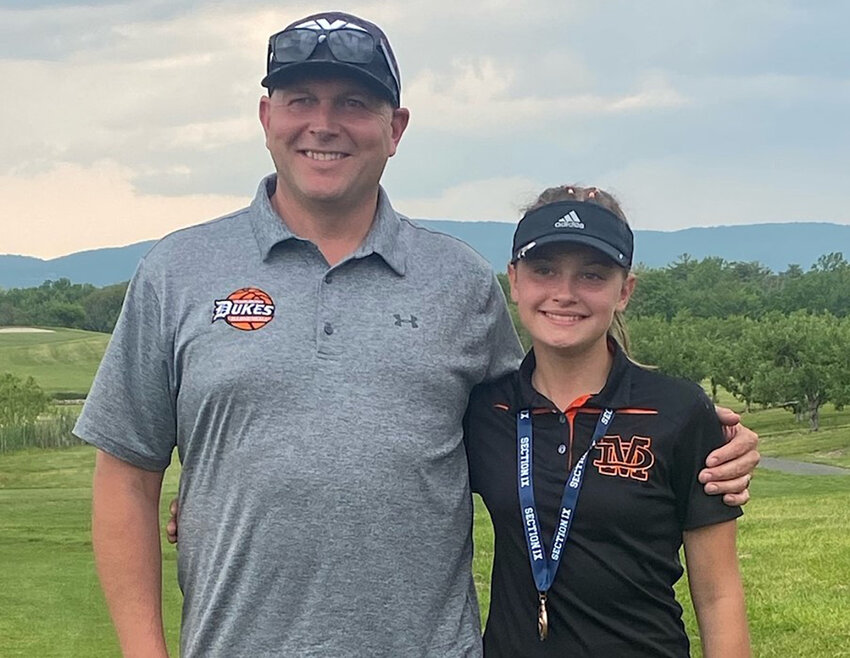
(579, 222)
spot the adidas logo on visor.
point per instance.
(570, 220)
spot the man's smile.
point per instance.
(323, 156)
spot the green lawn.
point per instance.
(794, 547)
(63, 361)
(49, 595)
(780, 435)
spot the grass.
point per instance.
(49, 595)
(780, 435)
(64, 361)
(794, 547)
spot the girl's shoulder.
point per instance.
(671, 396)
(504, 391)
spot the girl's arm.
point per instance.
(716, 590)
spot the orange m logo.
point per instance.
(626, 459)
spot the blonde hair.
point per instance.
(618, 330)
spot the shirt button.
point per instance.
(562, 419)
(329, 328)
(562, 449)
(329, 278)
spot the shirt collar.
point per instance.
(383, 238)
(616, 394)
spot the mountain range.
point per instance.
(774, 245)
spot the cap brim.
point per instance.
(620, 258)
(286, 72)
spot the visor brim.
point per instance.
(618, 257)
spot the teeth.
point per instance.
(568, 318)
(317, 155)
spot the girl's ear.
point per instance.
(512, 280)
(626, 291)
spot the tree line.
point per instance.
(61, 303)
(707, 288)
(774, 339)
(799, 361)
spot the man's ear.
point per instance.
(265, 111)
(398, 124)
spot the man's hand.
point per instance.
(730, 467)
(171, 526)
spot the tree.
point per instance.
(21, 401)
(655, 294)
(102, 307)
(677, 347)
(802, 362)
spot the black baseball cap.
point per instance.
(334, 42)
(580, 222)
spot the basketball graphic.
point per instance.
(247, 309)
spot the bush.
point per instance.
(51, 432)
(21, 401)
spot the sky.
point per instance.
(121, 121)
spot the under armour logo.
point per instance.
(412, 321)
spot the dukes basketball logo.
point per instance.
(247, 309)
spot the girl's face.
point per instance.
(566, 295)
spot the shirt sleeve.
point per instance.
(130, 410)
(701, 434)
(504, 347)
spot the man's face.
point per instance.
(330, 139)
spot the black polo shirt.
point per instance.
(613, 594)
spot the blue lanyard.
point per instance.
(544, 569)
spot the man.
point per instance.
(310, 356)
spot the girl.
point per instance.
(588, 461)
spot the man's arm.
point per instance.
(730, 467)
(125, 536)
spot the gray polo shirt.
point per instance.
(324, 500)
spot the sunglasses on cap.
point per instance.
(347, 45)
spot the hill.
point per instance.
(60, 360)
(775, 245)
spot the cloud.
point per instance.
(495, 199)
(477, 96)
(667, 101)
(71, 208)
(674, 193)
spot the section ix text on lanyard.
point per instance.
(542, 568)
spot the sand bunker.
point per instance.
(25, 330)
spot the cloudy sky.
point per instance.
(123, 120)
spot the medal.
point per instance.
(542, 618)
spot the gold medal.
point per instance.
(542, 618)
